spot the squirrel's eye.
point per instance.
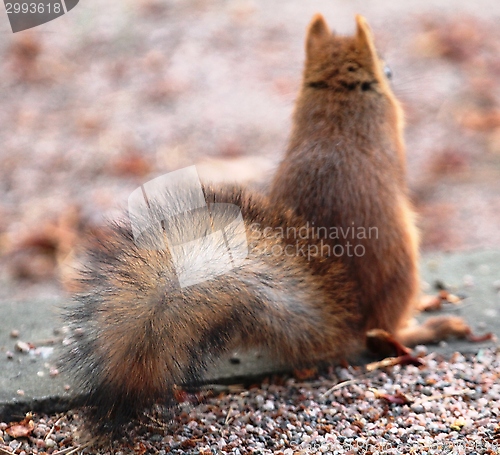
(387, 72)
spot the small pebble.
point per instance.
(79, 332)
(427, 391)
(268, 406)
(40, 431)
(418, 408)
(22, 346)
(14, 445)
(53, 372)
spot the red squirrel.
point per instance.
(141, 334)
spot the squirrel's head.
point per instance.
(343, 63)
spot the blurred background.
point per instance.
(113, 94)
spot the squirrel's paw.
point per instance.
(383, 343)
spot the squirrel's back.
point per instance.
(345, 170)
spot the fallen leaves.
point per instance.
(37, 252)
(131, 163)
(305, 373)
(481, 120)
(22, 429)
(23, 53)
(480, 338)
(397, 398)
(435, 302)
(457, 39)
(449, 162)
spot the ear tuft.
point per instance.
(364, 37)
(317, 34)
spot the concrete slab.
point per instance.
(30, 377)
(28, 380)
(476, 275)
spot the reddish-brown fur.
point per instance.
(345, 167)
(142, 334)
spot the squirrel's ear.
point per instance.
(364, 39)
(317, 34)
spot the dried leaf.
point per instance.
(480, 338)
(481, 120)
(22, 429)
(446, 296)
(181, 396)
(397, 398)
(131, 164)
(38, 252)
(189, 444)
(140, 448)
(430, 303)
(456, 40)
(305, 374)
(24, 53)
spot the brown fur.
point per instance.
(142, 334)
(345, 166)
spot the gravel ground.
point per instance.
(444, 406)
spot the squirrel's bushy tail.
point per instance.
(140, 334)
